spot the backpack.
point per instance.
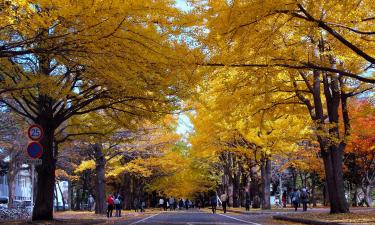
(117, 201)
(304, 195)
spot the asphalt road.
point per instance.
(201, 218)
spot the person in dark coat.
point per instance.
(247, 201)
(295, 199)
(214, 201)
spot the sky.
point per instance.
(184, 126)
(181, 4)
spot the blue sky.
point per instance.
(184, 126)
(182, 4)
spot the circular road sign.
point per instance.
(35, 132)
(35, 150)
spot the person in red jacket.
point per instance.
(110, 205)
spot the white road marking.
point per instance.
(144, 219)
(233, 218)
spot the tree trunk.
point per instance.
(266, 182)
(78, 199)
(62, 196)
(367, 195)
(236, 185)
(56, 199)
(334, 180)
(12, 172)
(100, 206)
(254, 188)
(43, 209)
(355, 196)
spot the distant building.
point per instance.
(23, 186)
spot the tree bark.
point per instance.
(56, 199)
(43, 209)
(12, 172)
(266, 182)
(254, 188)
(78, 199)
(236, 185)
(367, 195)
(100, 206)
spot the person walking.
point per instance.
(224, 201)
(181, 204)
(121, 199)
(299, 197)
(171, 203)
(295, 199)
(198, 203)
(165, 204)
(117, 207)
(110, 205)
(161, 203)
(136, 205)
(142, 205)
(215, 200)
(247, 201)
(283, 199)
(91, 203)
(304, 198)
(187, 204)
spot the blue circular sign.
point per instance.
(35, 150)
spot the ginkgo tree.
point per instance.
(236, 118)
(80, 57)
(317, 53)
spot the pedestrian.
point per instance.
(171, 203)
(224, 201)
(117, 207)
(161, 203)
(304, 198)
(291, 194)
(310, 200)
(181, 204)
(136, 205)
(198, 203)
(143, 205)
(283, 199)
(247, 201)
(187, 204)
(299, 197)
(165, 204)
(121, 202)
(110, 205)
(215, 200)
(295, 199)
(90, 203)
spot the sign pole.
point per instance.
(32, 186)
(35, 151)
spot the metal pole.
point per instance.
(32, 186)
(281, 190)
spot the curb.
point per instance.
(305, 221)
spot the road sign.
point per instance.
(33, 161)
(35, 132)
(34, 150)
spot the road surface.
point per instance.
(203, 218)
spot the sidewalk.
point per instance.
(363, 216)
(317, 216)
(83, 218)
